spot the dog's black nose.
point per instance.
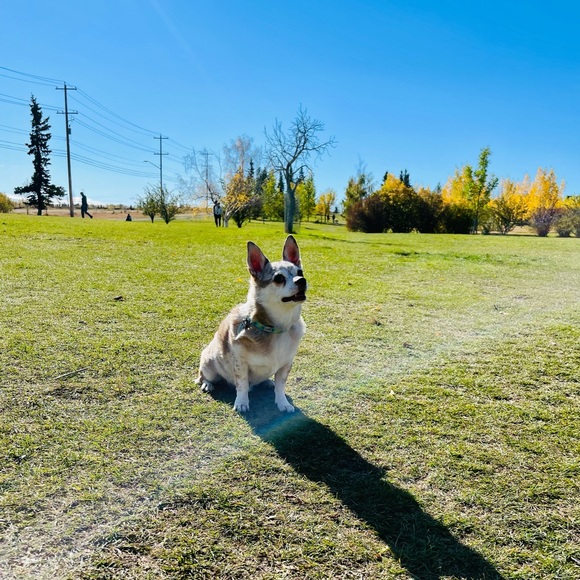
(300, 282)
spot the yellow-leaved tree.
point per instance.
(510, 208)
(458, 214)
(325, 203)
(545, 199)
(240, 198)
(306, 195)
(453, 191)
(470, 189)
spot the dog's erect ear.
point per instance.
(291, 253)
(256, 260)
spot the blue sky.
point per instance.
(415, 85)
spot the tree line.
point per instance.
(463, 205)
(277, 183)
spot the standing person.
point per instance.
(85, 206)
(217, 214)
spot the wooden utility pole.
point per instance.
(66, 113)
(206, 154)
(161, 154)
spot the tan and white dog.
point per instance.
(260, 338)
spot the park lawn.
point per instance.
(437, 390)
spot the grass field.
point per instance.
(437, 388)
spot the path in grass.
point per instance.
(98, 452)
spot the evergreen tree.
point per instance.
(259, 181)
(357, 188)
(40, 191)
(281, 183)
(404, 178)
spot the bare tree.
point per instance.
(238, 154)
(238, 182)
(203, 180)
(211, 174)
(290, 152)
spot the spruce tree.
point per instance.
(404, 178)
(40, 191)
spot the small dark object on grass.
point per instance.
(71, 373)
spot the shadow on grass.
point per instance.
(423, 546)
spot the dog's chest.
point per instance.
(274, 353)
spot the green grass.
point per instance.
(438, 389)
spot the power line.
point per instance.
(45, 80)
(8, 129)
(12, 146)
(118, 139)
(108, 117)
(24, 102)
(132, 126)
(106, 155)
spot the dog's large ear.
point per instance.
(256, 260)
(291, 253)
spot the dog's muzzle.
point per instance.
(300, 296)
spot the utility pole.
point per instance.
(161, 154)
(206, 154)
(66, 113)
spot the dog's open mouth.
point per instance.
(298, 297)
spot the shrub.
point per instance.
(542, 220)
(404, 210)
(568, 223)
(6, 205)
(429, 211)
(456, 219)
(369, 215)
(406, 207)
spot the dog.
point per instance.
(260, 337)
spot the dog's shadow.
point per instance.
(422, 545)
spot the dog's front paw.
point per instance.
(241, 405)
(285, 406)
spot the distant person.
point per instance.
(217, 214)
(85, 206)
(128, 218)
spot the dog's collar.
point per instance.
(248, 323)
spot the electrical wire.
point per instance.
(125, 124)
(114, 137)
(37, 79)
(93, 125)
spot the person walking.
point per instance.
(85, 206)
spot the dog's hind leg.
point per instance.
(204, 385)
(206, 377)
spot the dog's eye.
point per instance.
(279, 279)
(300, 273)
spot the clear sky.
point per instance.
(416, 85)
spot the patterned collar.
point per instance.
(248, 323)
